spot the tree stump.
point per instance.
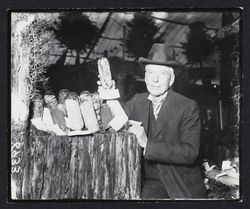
(99, 166)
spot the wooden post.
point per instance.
(19, 103)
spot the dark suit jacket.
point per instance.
(175, 143)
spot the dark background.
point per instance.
(173, 4)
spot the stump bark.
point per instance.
(99, 166)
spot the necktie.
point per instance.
(157, 106)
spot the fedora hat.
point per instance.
(159, 54)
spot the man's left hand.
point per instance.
(140, 134)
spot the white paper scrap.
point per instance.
(120, 117)
(109, 93)
(38, 123)
(79, 133)
(133, 122)
(47, 118)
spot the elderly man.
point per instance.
(170, 131)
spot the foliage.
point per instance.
(217, 190)
(198, 45)
(142, 34)
(75, 31)
(38, 39)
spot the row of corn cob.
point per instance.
(72, 112)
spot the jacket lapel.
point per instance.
(144, 112)
(165, 110)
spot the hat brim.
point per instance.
(177, 66)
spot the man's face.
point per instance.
(158, 78)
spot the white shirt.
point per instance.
(157, 103)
